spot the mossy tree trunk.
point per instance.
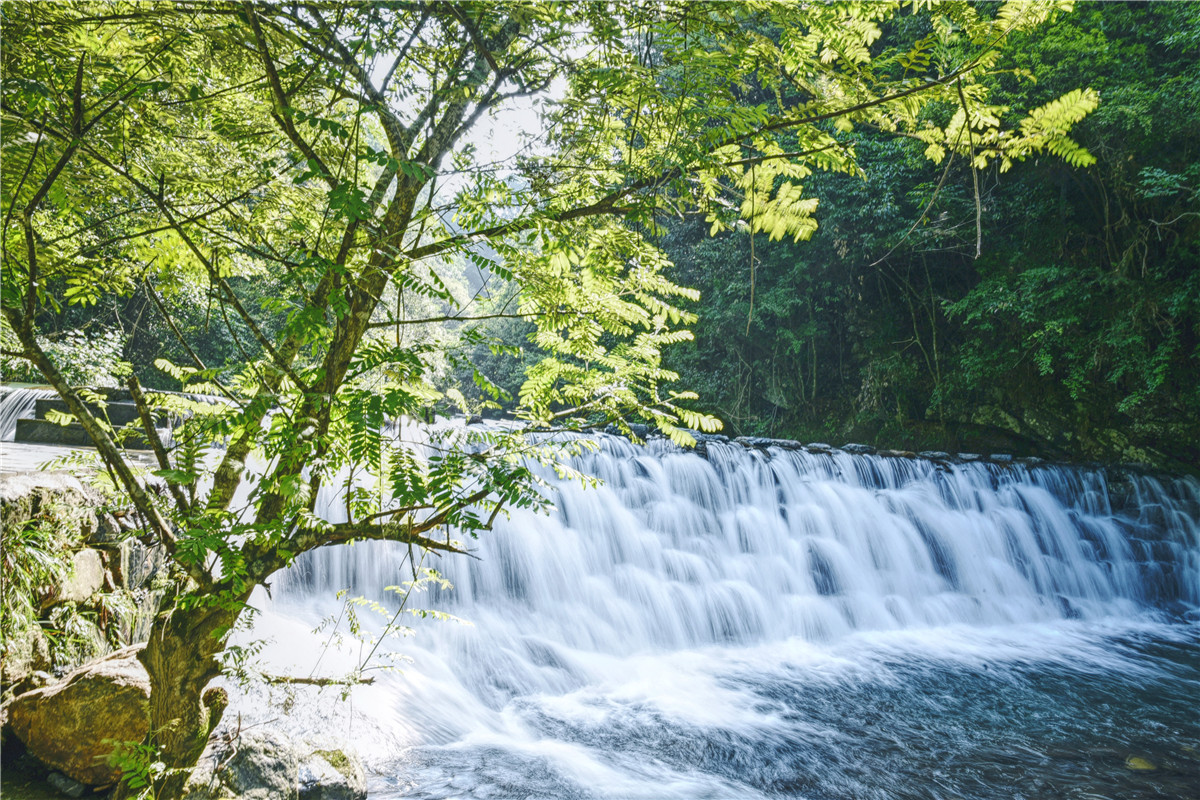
(181, 659)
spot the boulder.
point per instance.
(87, 578)
(265, 765)
(73, 725)
(256, 765)
(332, 775)
(859, 449)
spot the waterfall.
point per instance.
(17, 403)
(774, 622)
(676, 551)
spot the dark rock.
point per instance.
(638, 429)
(71, 726)
(934, 455)
(969, 457)
(762, 443)
(135, 565)
(818, 447)
(859, 449)
(1002, 458)
(68, 786)
(108, 530)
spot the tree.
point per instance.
(208, 150)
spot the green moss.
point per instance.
(338, 760)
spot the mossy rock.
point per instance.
(1139, 764)
(332, 775)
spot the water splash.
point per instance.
(784, 623)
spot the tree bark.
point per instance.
(180, 658)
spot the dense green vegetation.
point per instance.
(1072, 333)
(1075, 332)
(284, 205)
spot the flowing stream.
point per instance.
(773, 623)
(779, 623)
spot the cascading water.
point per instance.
(793, 624)
(16, 403)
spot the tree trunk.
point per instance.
(180, 658)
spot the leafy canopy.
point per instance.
(307, 169)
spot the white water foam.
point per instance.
(666, 598)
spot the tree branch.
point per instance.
(282, 112)
(151, 431)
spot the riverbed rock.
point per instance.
(66, 785)
(1139, 764)
(254, 765)
(332, 775)
(72, 725)
(263, 764)
(859, 449)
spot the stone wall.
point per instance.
(81, 583)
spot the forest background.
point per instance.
(1048, 310)
(901, 246)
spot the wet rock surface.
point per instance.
(268, 765)
(73, 725)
